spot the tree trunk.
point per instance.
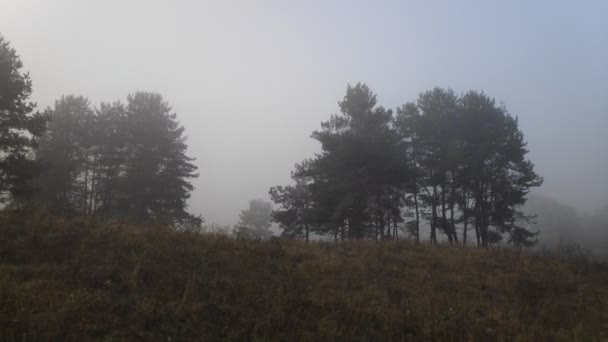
(395, 234)
(336, 235)
(86, 186)
(388, 225)
(417, 216)
(484, 235)
(434, 217)
(465, 220)
(478, 216)
(98, 190)
(376, 226)
(444, 220)
(92, 193)
(452, 224)
(381, 225)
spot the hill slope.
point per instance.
(79, 280)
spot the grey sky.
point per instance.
(251, 79)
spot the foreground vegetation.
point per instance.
(79, 279)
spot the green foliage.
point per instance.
(157, 171)
(65, 149)
(497, 174)
(117, 161)
(295, 214)
(20, 127)
(353, 185)
(457, 162)
(78, 279)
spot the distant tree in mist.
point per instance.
(562, 226)
(20, 126)
(255, 220)
(457, 162)
(598, 231)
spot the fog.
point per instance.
(251, 80)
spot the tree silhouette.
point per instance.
(454, 161)
(256, 220)
(157, 170)
(20, 127)
(65, 150)
(117, 161)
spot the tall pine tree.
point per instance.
(20, 127)
(455, 161)
(157, 170)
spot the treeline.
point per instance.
(126, 160)
(564, 227)
(118, 160)
(455, 162)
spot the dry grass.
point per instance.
(81, 280)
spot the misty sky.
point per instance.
(250, 80)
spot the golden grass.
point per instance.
(82, 280)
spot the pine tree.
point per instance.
(357, 181)
(256, 220)
(498, 176)
(459, 161)
(65, 151)
(117, 161)
(157, 170)
(295, 215)
(20, 127)
(110, 151)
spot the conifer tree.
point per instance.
(20, 126)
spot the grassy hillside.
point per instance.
(81, 280)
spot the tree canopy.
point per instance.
(453, 163)
(117, 160)
(457, 163)
(20, 126)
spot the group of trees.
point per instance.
(126, 160)
(565, 227)
(115, 161)
(456, 163)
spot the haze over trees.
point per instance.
(115, 161)
(564, 227)
(97, 242)
(255, 221)
(366, 170)
(457, 163)
(445, 167)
